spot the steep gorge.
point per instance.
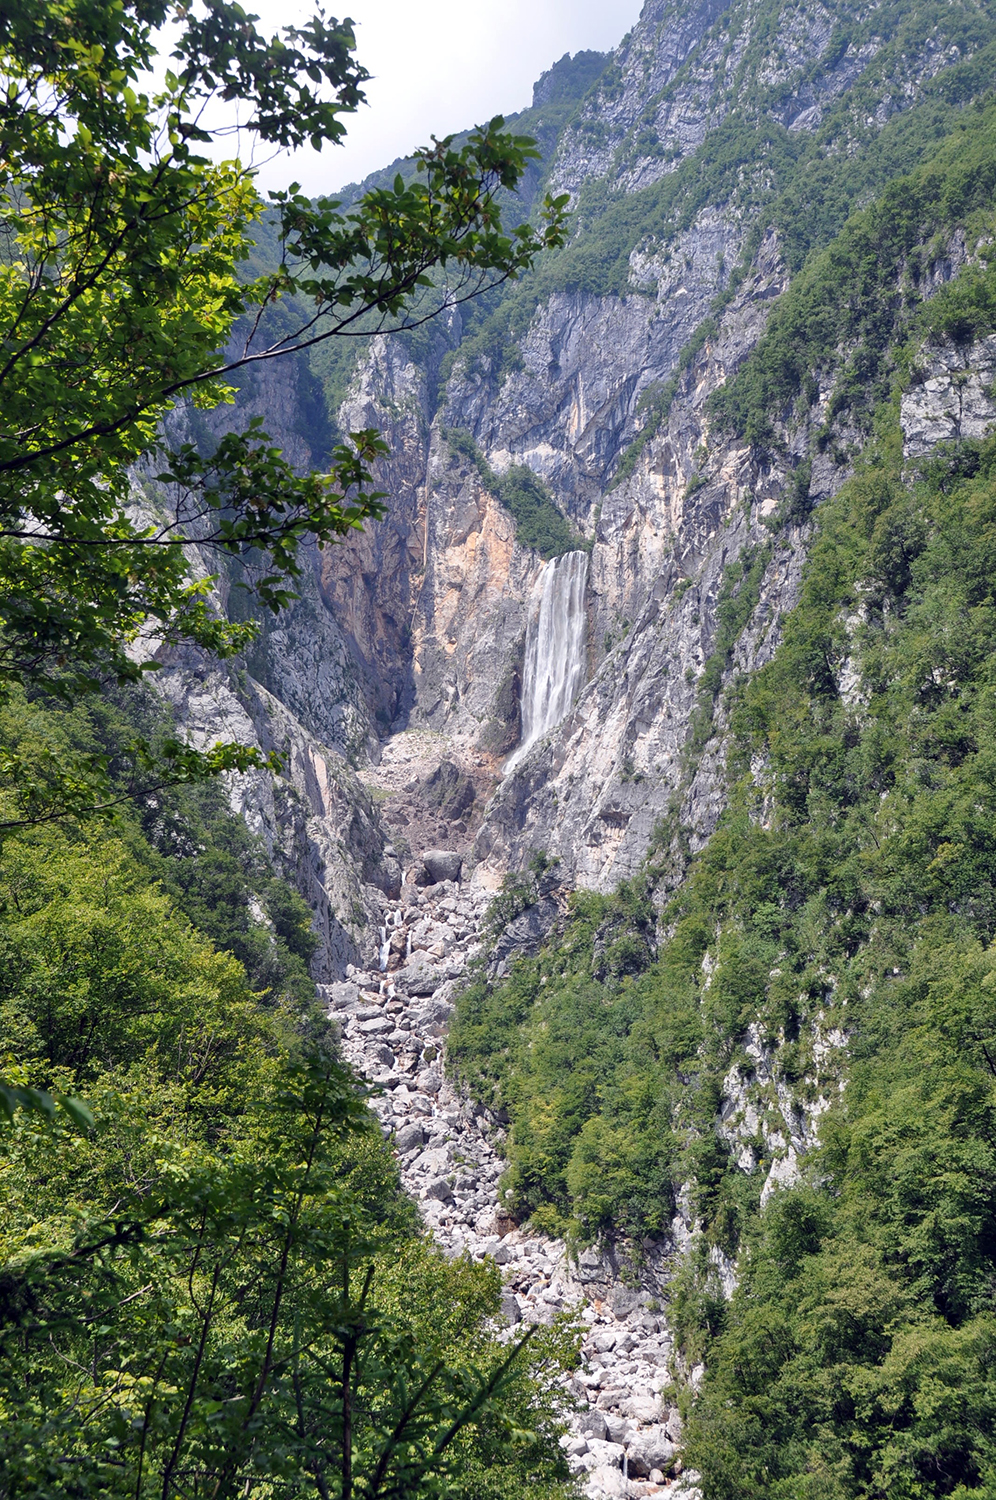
(775, 313)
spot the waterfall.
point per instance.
(555, 656)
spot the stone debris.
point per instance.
(392, 1017)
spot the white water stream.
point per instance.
(555, 656)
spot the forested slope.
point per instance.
(788, 1041)
(186, 1283)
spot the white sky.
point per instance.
(439, 66)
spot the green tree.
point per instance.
(218, 1287)
(124, 290)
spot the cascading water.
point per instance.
(555, 657)
(393, 920)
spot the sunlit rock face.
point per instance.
(436, 601)
(415, 634)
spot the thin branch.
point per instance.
(192, 1383)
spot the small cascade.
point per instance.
(384, 952)
(555, 656)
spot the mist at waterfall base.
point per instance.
(553, 670)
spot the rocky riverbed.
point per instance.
(393, 1016)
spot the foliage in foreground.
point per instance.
(217, 1285)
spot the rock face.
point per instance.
(438, 599)
(316, 818)
(952, 399)
(598, 383)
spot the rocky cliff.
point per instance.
(690, 161)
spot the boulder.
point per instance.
(442, 864)
(408, 1137)
(607, 1455)
(592, 1424)
(510, 1308)
(651, 1448)
(611, 1397)
(343, 996)
(419, 978)
(603, 1480)
(641, 1408)
(440, 1190)
(380, 1052)
(428, 1081)
(620, 1429)
(434, 1161)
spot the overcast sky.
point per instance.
(440, 66)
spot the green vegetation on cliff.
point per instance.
(802, 183)
(538, 522)
(830, 951)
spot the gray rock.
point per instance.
(408, 1137)
(523, 936)
(609, 1454)
(510, 1308)
(593, 1424)
(380, 1052)
(641, 1408)
(611, 1396)
(429, 1081)
(442, 864)
(419, 978)
(451, 791)
(952, 400)
(620, 1429)
(440, 1190)
(622, 1301)
(649, 1449)
(343, 996)
(377, 1027)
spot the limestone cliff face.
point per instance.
(316, 819)
(665, 511)
(370, 583)
(952, 397)
(600, 386)
(685, 70)
(594, 791)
